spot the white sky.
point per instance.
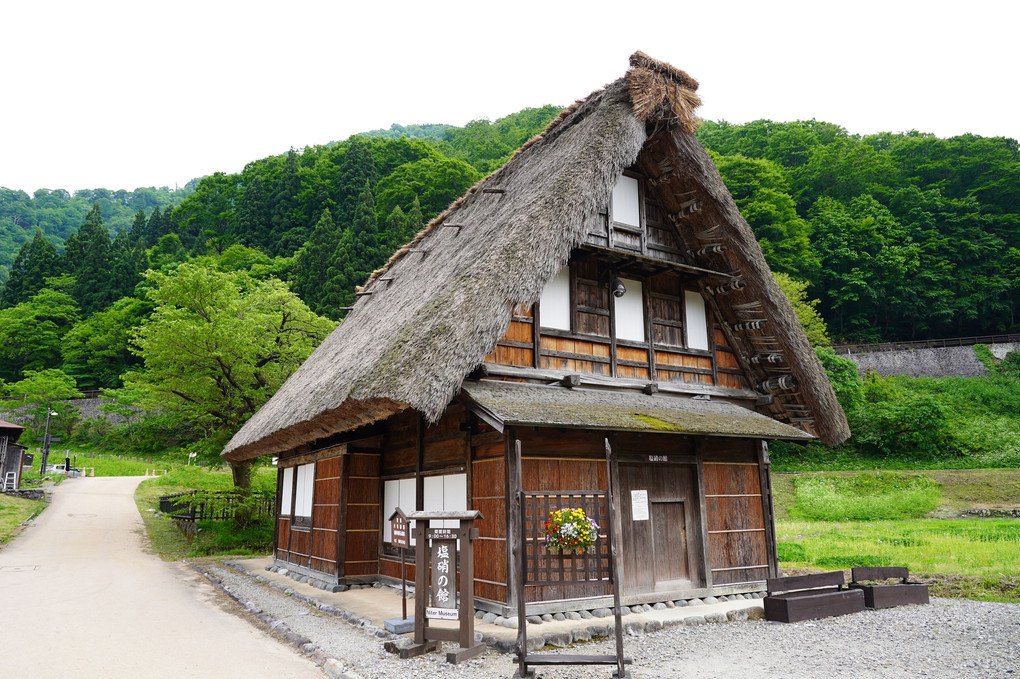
(121, 94)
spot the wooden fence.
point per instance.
(201, 505)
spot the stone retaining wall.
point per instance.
(933, 362)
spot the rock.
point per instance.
(695, 620)
(282, 571)
(580, 635)
(710, 600)
(586, 615)
(601, 613)
(634, 629)
(489, 618)
(597, 631)
(653, 626)
(309, 647)
(559, 616)
(680, 603)
(499, 620)
(558, 640)
(333, 668)
(511, 622)
(670, 604)
(737, 615)
(716, 616)
(350, 675)
(534, 620)
(695, 602)
(573, 615)
(659, 606)
(479, 614)
(536, 642)
(547, 617)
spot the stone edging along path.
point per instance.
(536, 640)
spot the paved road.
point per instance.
(80, 597)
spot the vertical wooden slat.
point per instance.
(703, 554)
(341, 520)
(617, 530)
(768, 509)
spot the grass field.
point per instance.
(13, 512)
(214, 537)
(890, 524)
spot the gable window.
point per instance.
(696, 320)
(555, 303)
(627, 201)
(630, 312)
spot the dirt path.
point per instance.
(80, 597)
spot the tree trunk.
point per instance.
(242, 483)
(242, 475)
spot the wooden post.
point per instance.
(617, 573)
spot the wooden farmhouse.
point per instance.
(10, 455)
(599, 292)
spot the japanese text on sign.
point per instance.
(444, 580)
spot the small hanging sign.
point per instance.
(398, 529)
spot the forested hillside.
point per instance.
(898, 236)
(901, 236)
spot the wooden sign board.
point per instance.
(400, 532)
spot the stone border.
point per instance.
(535, 641)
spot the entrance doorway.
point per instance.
(659, 520)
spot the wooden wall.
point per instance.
(589, 347)
(325, 516)
(737, 534)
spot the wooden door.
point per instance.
(658, 550)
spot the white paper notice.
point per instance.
(639, 505)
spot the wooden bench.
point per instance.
(805, 597)
(886, 595)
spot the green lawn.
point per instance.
(13, 512)
(975, 558)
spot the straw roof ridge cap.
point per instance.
(641, 60)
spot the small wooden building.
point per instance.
(600, 291)
(10, 455)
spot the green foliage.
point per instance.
(31, 332)
(218, 345)
(976, 559)
(97, 350)
(806, 310)
(864, 497)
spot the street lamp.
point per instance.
(46, 441)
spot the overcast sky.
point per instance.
(122, 94)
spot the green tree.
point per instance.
(357, 255)
(92, 289)
(97, 351)
(807, 313)
(31, 332)
(36, 261)
(42, 395)
(760, 190)
(218, 345)
(312, 262)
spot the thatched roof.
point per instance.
(423, 322)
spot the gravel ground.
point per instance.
(948, 639)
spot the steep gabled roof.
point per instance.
(424, 321)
